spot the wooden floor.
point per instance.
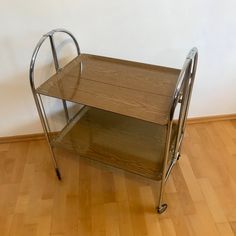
(96, 200)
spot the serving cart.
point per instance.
(126, 114)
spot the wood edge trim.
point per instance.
(41, 136)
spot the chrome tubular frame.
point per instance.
(37, 97)
(182, 95)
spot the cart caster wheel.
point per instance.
(58, 174)
(162, 208)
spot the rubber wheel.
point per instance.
(162, 208)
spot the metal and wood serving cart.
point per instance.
(126, 117)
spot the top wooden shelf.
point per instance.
(129, 88)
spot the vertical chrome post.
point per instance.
(183, 108)
(191, 72)
(162, 206)
(37, 98)
(56, 64)
(183, 95)
(193, 69)
(54, 53)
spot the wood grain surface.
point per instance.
(95, 200)
(119, 141)
(129, 88)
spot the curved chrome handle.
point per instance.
(184, 91)
(189, 64)
(38, 46)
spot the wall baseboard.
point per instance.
(204, 119)
(190, 121)
(22, 138)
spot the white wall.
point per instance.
(151, 31)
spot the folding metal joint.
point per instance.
(180, 97)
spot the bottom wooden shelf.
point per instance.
(123, 142)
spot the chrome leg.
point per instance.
(40, 108)
(173, 162)
(44, 124)
(182, 95)
(163, 206)
(44, 113)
